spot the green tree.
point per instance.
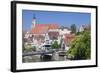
(80, 46)
(73, 28)
(28, 47)
(55, 45)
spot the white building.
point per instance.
(81, 28)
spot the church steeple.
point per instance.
(33, 21)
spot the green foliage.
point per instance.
(28, 47)
(55, 45)
(73, 28)
(80, 46)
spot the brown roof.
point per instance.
(39, 30)
(43, 28)
(53, 35)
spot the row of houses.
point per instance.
(46, 34)
(43, 34)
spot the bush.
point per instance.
(81, 46)
(28, 47)
(55, 45)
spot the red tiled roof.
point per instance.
(68, 38)
(50, 26)
(39, 30)
(53, 26)
(43, 28)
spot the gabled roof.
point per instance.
(43, 28)
(53, 35)
(39, 30)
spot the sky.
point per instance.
(52, 17)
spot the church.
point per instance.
(46, 34)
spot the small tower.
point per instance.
(33, 21)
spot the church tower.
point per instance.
(33, 22)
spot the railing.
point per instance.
(61, 52)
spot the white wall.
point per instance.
(5, 37)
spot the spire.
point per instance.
(33, 21)
(34, 16)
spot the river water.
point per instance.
(36, 58)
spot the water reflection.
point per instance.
(37, 58)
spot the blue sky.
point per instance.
(52, 17)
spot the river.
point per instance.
(36, 58)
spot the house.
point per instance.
(84, 27)
(64, 30)
(53, 35)
(45, 31)
(67, 39)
